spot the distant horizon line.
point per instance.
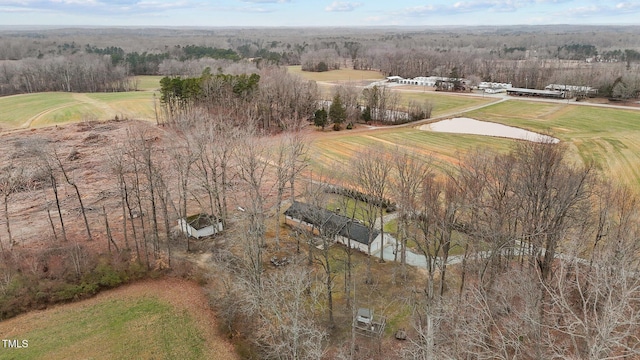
(87, 26)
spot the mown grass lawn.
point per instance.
(139, 328)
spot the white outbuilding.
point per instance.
(200, 225)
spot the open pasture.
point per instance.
(148, 82)
(17, 110)
(341, 75)
(147, 320)
(42, 109)
(331, 152)
(607, 137)
(443, 103)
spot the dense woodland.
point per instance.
(545, 248)
(607, 58)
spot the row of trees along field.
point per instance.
(273, 98)
(279, 100)
(545, 252)
(526, 57)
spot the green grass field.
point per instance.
(444, 103)
(342, 75)
(608, 138)
(42, 109)
(331, 154)
(19, 109)
(148, 82)
(140, 328)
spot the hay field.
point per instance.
(443, 103)
(342, 75)
(161, 319)
(18, 110)
(148, 82)
(330, 152)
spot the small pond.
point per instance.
(476, 127)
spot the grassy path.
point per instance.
(38, 116)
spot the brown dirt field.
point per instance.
(98, 186)
(182, 294)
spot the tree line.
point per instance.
(531, 57)
(272, 98)
(76, 73)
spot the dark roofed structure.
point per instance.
(200, 225)
(330, 223)
(552, 94)
(200, 221)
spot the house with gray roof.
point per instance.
(342, 229)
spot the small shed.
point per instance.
(200, 225)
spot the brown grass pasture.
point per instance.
(341, 75)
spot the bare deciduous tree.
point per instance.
(371, 171)
(287, 328)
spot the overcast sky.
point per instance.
(316, 12)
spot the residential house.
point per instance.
(342, 229)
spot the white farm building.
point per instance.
(423, 80)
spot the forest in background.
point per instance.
(603, 57)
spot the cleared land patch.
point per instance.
(161, 319)
(337, 75)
